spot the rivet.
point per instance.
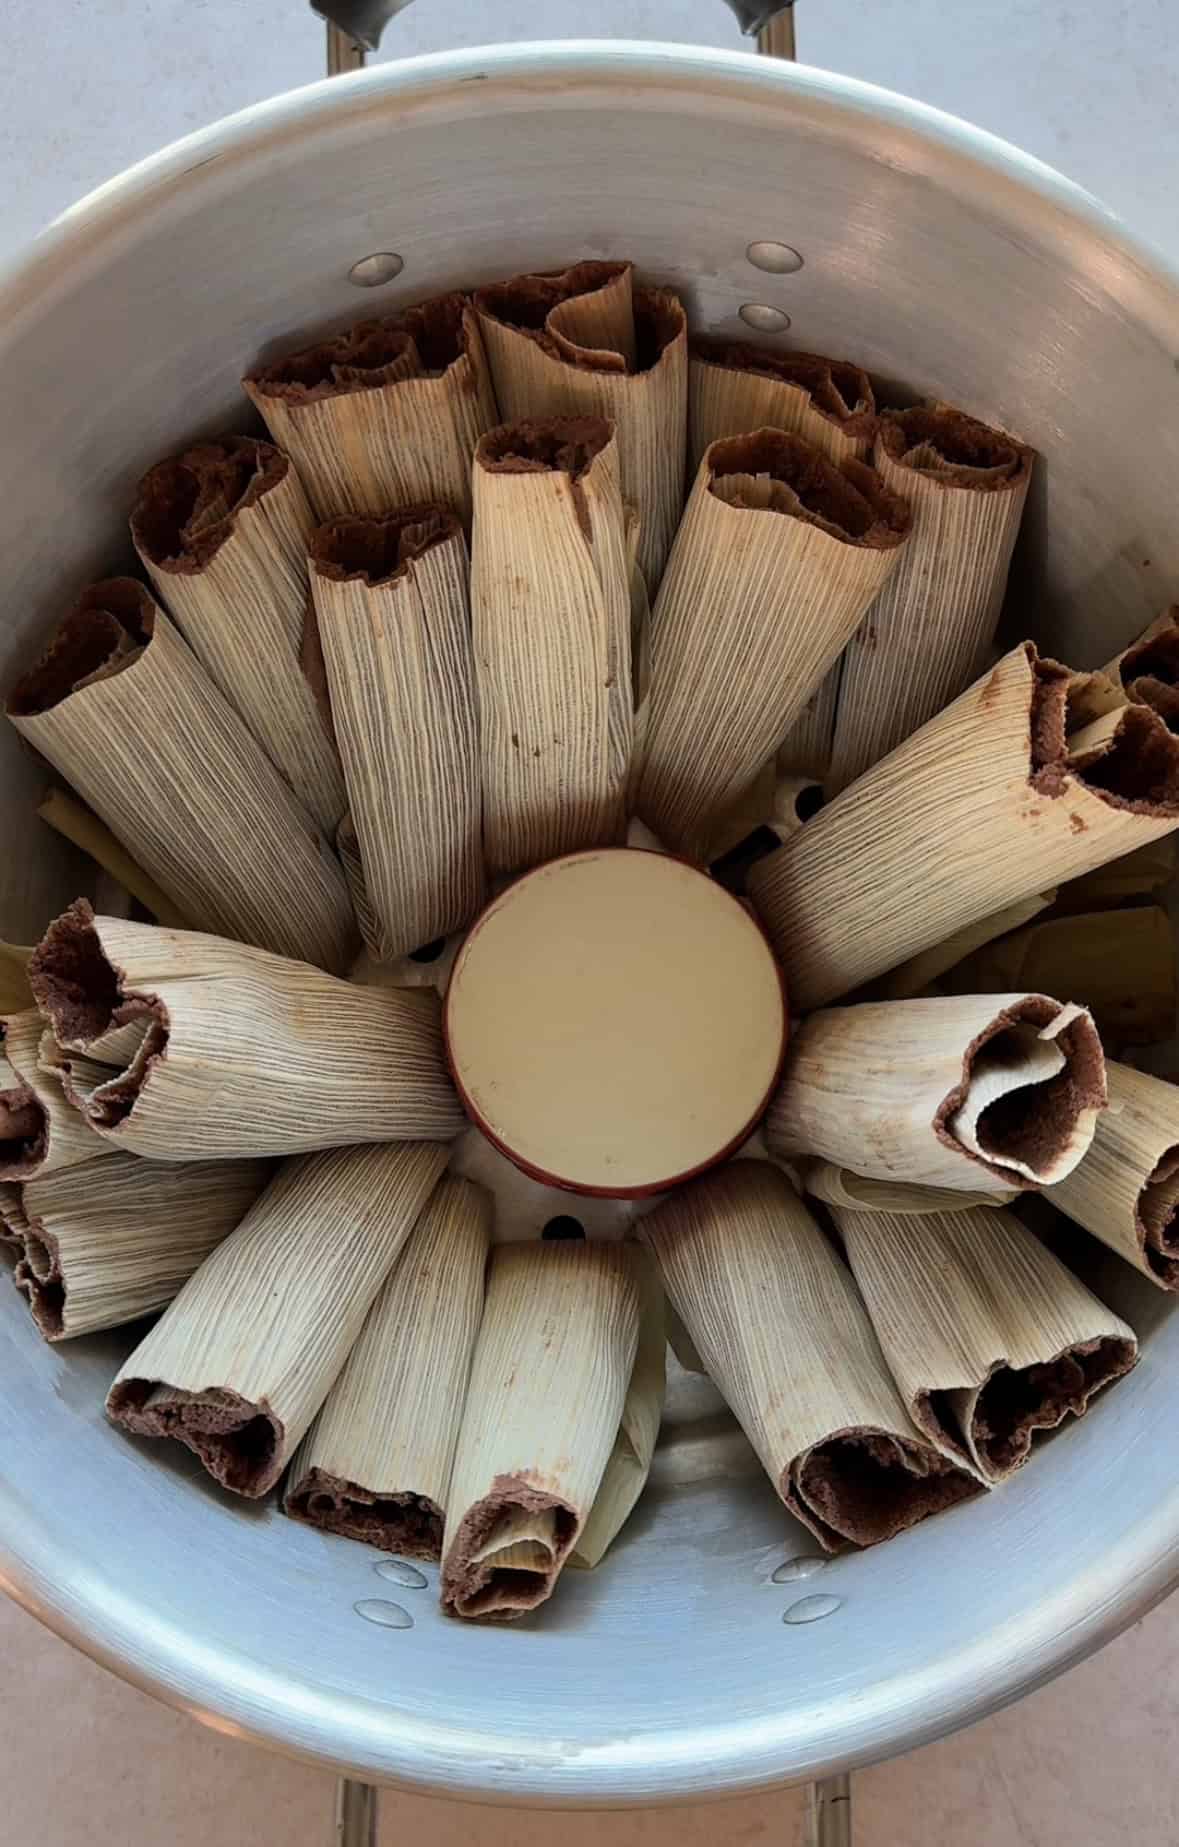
(765, 319)
(371, 271)
(778, 259)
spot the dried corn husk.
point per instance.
(734, 388)
(550, 612)
(222, 532)
(987, 1334)
(15, 993)
(920, 972)
(1135, 875)
(1118, 964)
(1126, 1190)
(239, 1052)
(241, 1361)
(549, 1380)
(838, 1186)
(40, 1132)
(1147, 672)
(391, 599)
(928, 633)
(984, 1093)
(806, 748)
(994, 790)
(779, 554)
(588, 343)
(128, 716)
(630, 1459)
(367, 922)
(13, 1224)
(376, 1463)
(75, 823)
(385, 415)
(115, 1239)
(783, 1333)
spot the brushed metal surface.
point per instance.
(947, 263)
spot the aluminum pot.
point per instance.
(947, 263)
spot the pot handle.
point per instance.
(354, 27)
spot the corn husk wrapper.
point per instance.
(989, 1093)
(117, 1238)
(367, 921)
(375, 1465)
(784, 1335)
(989, 1337)
(806, 748)
(1133, 877)
(239, 1364)
(233, 1051)
(128, 716)
(734, 387)
(919, 974)
(588, 343)
(1126, 1190)
(929, 631)
(1001, 798)
(549, 1380)
(777, 558)
(550, 616)
(391, 599)
(385, 415)
(15, 993)
(40, 1131)
(630, 1459)
(839, 1186)
(74, 822)
(222, 532)
(1118, 964)
(1147, 672)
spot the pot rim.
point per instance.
(347, 1732)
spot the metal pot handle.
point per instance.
(354, 27)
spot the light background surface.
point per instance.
(88, 86)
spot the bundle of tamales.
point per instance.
(522, 573)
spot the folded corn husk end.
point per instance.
(508, 1550)
(634, 1446)
(239, 1440)
(990, 1338)
(24, 1129)
(1033, 1082)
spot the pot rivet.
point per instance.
(778, 259)
(386, 1615)
(759, 314)
(371, 271)
(398, 1572)
(808, 1609)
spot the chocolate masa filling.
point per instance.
(239, 1443)
(81, 994)
(540, 445)
(423, 341)
(1033, 1123)
(851, 502)
(1158, 1234)
(841, 391)
(863, 1486)
(376, 551)
(1016, 1402)
(525, 303)
(956, 448)
(109, 625)
(186, 508)
(24, 1131)
(38, 1275)
(407, 1523)
(486, 1589)
(1137, 769)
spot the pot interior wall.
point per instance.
(948, 267)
